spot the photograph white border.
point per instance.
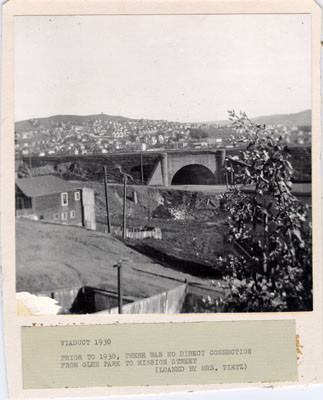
(309, 324)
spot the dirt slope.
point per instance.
(50, 256)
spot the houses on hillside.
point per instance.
(51, 199)
(103, 136)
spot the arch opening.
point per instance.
(136, 172)
(194, 174)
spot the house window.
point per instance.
(20, 203)
(64, 216)
(23, 203)
(77, 196)
(56, 216)
(72, 214)
(64, 198)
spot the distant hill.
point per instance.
(49, 122)
(302, 118)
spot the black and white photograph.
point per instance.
(163, 163)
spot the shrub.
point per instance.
(268, 225)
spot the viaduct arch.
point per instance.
(194, 174)
(189, 167)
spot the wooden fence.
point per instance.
(141, 232)
(170, 302)
(65, 297)
(83, 300)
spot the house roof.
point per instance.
(43, 185)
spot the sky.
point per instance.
(180, 68)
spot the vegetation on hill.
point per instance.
(198, 133)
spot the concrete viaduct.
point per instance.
(189, 168)
(160, 168)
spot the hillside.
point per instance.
(302, 118)
(49, 122)
(52, 256)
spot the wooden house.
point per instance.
(51, 199)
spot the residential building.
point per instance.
(51, 199)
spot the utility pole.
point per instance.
(148, 206)
(141, 168)
(30, 167)
(124, 233)
(120, 294)
(107, 199)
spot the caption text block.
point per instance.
(159, 354)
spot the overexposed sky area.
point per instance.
(185, 68)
